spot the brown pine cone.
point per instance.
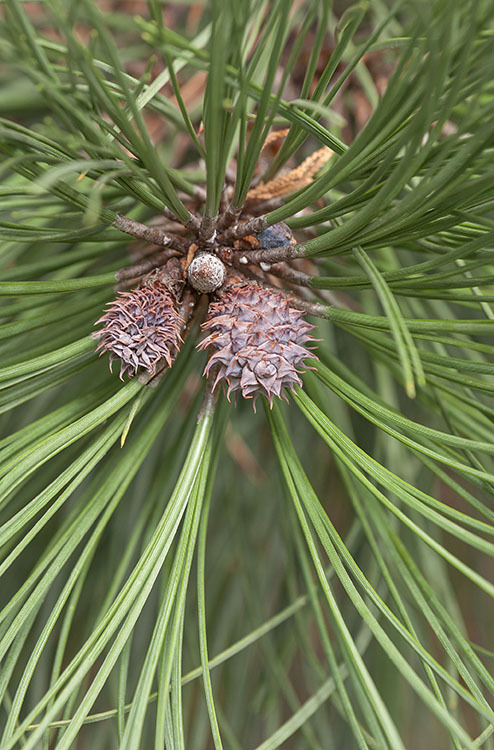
(142, 327)
(258, 342)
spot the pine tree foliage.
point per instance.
(179, 572)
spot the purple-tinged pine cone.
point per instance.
(258, 342)
(141, 327)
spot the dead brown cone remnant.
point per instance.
(258, 342)
(275, 138)
(142, 327)
(291, 181)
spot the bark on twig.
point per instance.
(193, 224)
(140, 269)
(154, 235)
(273, 254)
(237, 231)
(207, 230)
(229, 216)
(123, 286)
(287, 273)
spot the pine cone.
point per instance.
(142, 326)
(258, 341)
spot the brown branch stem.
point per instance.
(273, 254)
(207, 230)
(140, 269)
(287, 273)
(154, 235)
(229, 216)
(193, 224)
(237, 231)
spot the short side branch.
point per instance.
(207, 230)
(287, 273)
(131, 272)
(154, 235)
(273, 254)
(237, 231)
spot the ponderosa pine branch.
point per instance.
(154, 235)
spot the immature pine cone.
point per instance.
(141, 327)
(258, 341)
